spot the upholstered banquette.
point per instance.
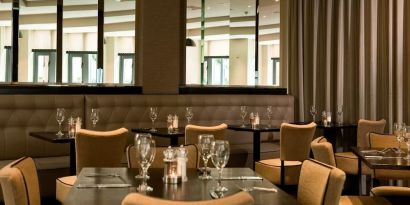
(21, 114)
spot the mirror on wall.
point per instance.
(224, 32)
(37, 50)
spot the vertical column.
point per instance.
(59, 66)
(15, 41)
(100, 42)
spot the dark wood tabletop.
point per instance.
(192, 190)
(259, 128)
(52, 137)
(377, 160)
(163, 132)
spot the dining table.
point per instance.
(109, 186)
(172, 135)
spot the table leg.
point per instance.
(174, 141)
(73, 165)
(359, 173)
(256, 148)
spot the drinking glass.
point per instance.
(205, 144)
(339, 113)
(269, 113)
(145, 151)
(153, 114)
(398, 129)
(220, 157)
(137, 138)
(313, 112)
(94, 116)
(60, 119)
(243, 114)
(407, 139)
(189, 114)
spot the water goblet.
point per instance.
(189, 114)
(137, 139)
(407, 140)
(339, 113)
(398, 132)
(205, 144)
(269, 113)
(145, 151)
(60, 115)
(220, 157)
(243, 114)
(153, 114)
(313, 112)
(94, 116)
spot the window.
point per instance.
(126, 75)
(82, 67)
(5, 75)
(275, 71)
(216, 70)
(44, 65)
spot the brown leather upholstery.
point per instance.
(347, 161)
(241, 198)
(94, 149)
(363, 200)
(394, 194)
(295, 147)
(158, 160)
(19, 182)
(320, 184)
(192, 132)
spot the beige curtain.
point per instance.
(353, 53)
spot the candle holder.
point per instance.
(171, 175)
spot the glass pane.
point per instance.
(5, 41)
(119, 36)
(76, 73)
(42, 68)
(269, 35)
(128, 67)
(80, 22)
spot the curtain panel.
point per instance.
(353, 53)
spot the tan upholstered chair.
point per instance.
(294, 149)
(320, 184)
(323, 152)
(19, 182)
(395, 195)
(158, 160)
(387, 141)
(94, 149)
(347, 161)
(192, 132)
(241, 198)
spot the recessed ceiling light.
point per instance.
(264, 16)
(208, 7)
(249, 6)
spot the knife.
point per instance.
(103, 185)
(242, 178)
(265, 189)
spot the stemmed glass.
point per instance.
(243, 114)
(136, 140)
(269, 113)
(313, 112)
(94, 116)
(60, 119)
(145, 151)
(153, 114)
(189, 114)
(339, 113)
(407, 139)
(398, 131)
(205, 144)
(220, 157)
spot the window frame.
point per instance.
(52, 53)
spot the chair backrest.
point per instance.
(323, 151)
(100, 149)
(320, 184)
(295, 141)
(377, 140)
(241, 198)
(364, 127)
(158, 160)
(19, 182)
(192, 132)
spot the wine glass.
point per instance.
(269, 113)
(220, 157)
(189, 114)
(145, 151)
(94, 116)
(153, 114)
(313, 112)
(204, 144)
(407, 140)
(137, 138)
(60, 119)
(398, 132)
(243, 114)
(339, 113)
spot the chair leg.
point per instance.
(282, 172)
